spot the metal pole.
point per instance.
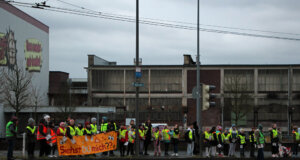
(289, 100)
(199, 107)
(137, 121)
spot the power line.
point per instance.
(189, 23)
(153, 23)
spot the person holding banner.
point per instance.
(94, 125)
(79, 130)
(131, 138)
(111, 126)
(61, 131)
(88, 129)
(71, 131)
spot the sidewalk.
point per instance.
(182, 155)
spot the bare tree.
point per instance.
(238, 95)
(15, 88)
(37, 98)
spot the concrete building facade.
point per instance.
(167, 91)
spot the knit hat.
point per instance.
(31, 121)
(62, 124)
(93, 119)
(86, 123)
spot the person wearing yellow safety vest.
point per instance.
(252, 140)
(220, 140)
(242, 142)
(88, 129)
(206, 141)
(274, 140)
(260, 140)
(94, 125)
(30, 137)
(190, 138)
(61, 131)
(142, 138)
(296, 139)
(157, 136)
(11, 136)
(79, 130)
(123, 139)
(131, 138)
(226, 141)
(233, 138)
(71, 131)
(175, 139)
(167, 138)
(103, 129)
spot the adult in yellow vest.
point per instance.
(175, 139)
(79, 130)
(123, 140)
(296, 139)
(30, 138)
(157, 136)
(71, 131)
(206, 141)
(88, 129)
(94, 125)
(242, 142)
(167, 138)
(142, 138)
(131, 139)
(226, 139)
(252, 140)
(11, 136)
(61, 131)
(190, 138)
(274, 140)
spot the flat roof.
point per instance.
(203, 65)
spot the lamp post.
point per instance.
(199, 107)
(137, 121)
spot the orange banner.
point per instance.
(84, 145)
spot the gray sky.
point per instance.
(73, 37)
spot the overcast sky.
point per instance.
(73, 37)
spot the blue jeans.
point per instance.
(10, 151)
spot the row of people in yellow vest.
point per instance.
(166, 135)
(216, 141)
(46, 134)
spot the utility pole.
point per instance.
(137, 60)
(199, 108)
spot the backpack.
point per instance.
(186, 136)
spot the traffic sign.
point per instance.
(137, 84)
